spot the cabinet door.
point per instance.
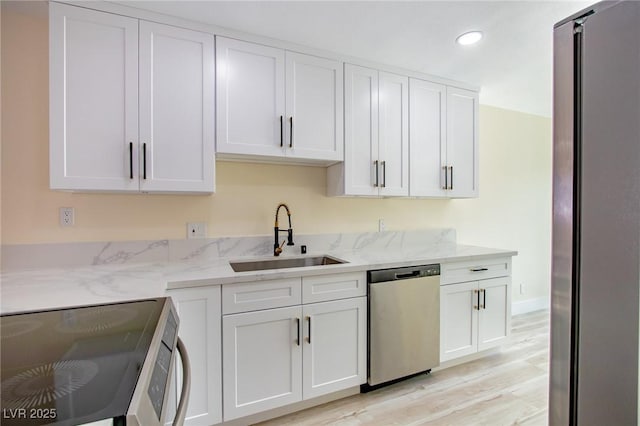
(176, 109)
(427, 138)
(262, 358)
(334, 355)
(361, 176)
(494, 317)
(93, 103)
(393, 148)
(199, 313)
(458, 320)
(462, 141)
(314, 108)
(249, 98)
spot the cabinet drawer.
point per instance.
(254, 296)
(331, 287)
(475, 270)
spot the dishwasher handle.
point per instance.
(402, 273)
(403, 276)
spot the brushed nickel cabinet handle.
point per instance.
(451, 188)
(477, 306)
(375, 164)
(384, 174)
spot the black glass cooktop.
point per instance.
(73, 366)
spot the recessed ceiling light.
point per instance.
(470, 37)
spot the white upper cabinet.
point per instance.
(376, 135)
(106, 73)
(176, 109)
(393, 143)
(443, 141)
(277, 105)
(314, 107)
(250, 98)
(427, 138)
(360, 168)
(93, 100)
(462, 142)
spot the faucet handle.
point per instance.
(278, 250)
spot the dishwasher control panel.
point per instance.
(404, 273)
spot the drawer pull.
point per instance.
(478, 269)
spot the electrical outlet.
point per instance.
(381, 225)
(196, 230)
(66, 216)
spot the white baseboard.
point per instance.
(530, 305)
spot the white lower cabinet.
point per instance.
(200, 314)
(262, 360)
(276, 357)
(334, 351)
(474, 316)
(494, 319)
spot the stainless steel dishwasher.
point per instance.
(404, 322)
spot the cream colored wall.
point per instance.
(513, 210)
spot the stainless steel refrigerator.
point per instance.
(596, 217)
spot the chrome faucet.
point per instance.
(277, 248)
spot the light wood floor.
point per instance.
(505, 388)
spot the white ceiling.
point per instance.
(511, 64)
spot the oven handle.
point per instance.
(181, 412)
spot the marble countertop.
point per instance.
(51, 288)
(188, 274)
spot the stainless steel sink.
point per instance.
(297, 262)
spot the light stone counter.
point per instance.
(192, 274)
(206, 262)
(61, 287)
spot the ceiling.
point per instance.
(511, 64)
